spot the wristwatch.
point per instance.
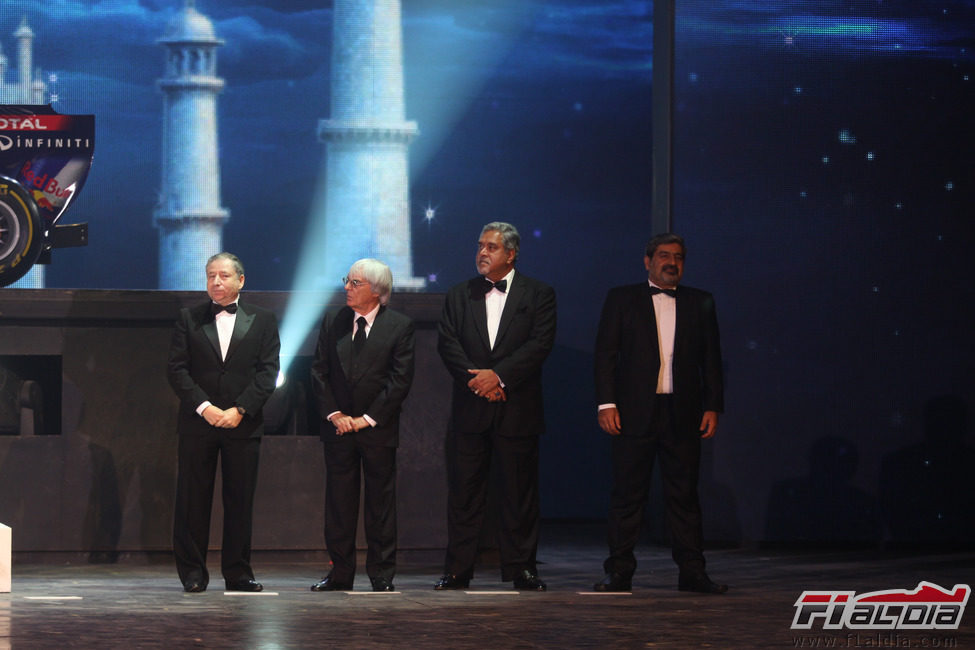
(240, 409)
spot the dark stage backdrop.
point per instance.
(823, 181)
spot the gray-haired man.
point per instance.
(362, 372)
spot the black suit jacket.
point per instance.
(246, 378)
(375, 382)
(627, 358)
(525, 338)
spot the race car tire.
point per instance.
(21, 237)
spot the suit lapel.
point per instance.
(681, 321)
(646, 300)
(516, 293)
(343, 340)
(478, 309)
(245, 318)
(210, 330)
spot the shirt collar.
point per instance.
(654, 284)
(370, 317)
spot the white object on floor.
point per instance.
(5, 539)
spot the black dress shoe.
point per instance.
(328, 583)
(613, 582)
(194, 587)
(700, 583)
(450, 581)
(529, 581)
(244, 585)
(382, 584)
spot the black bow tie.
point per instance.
(230, 309)
(670, 292)
(500, 285)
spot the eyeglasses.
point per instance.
(355, 283)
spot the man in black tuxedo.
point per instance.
(495, 332)
(223, 365)
(362, 372)
(659, 387)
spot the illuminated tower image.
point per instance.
(366, 141)
(28, 89)
(188, 215)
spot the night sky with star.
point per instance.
(823, 180)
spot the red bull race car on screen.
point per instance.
(44, 161)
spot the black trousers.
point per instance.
(196, 476)
(347, 462)
(469, 460)
(680, 458)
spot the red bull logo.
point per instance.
(52, 192)
(42, 201)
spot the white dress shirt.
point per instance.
(225, 322)
(665, 308)
(494, 305)
(370, 319)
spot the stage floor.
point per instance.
(139, 603)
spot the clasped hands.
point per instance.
(217, 417)
(487, 384)
(348, 424)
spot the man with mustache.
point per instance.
(495, 332)
(659, 388)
